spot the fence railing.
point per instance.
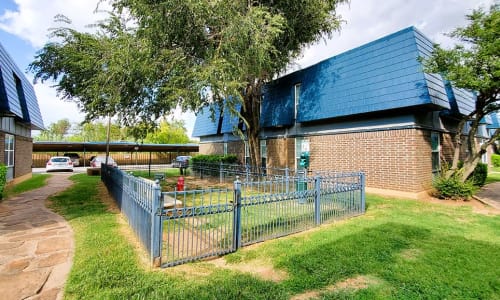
(139, 200)
(182, 226)
(228, 172)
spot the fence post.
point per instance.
(247, 172)
(221, 179)
(287, 178)
(156, 227)
(363, 199)
(317, 199)
(237, 215)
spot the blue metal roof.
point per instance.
(204, 124)
(381, 75)
(17, 95)
(229, 120)
(494, 121)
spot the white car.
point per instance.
(59, 163)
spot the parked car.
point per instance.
(97, 160)
(75, 158)
(181, 161)
(59, 163)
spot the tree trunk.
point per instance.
(457, 143)
(251, 117)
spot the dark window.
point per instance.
(22, 99)
(4, 104)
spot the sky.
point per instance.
(24, 27)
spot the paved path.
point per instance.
(36, 245)
(490, 194)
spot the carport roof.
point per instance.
(113, 147)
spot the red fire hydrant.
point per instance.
(180, 184)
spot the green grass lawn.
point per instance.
(36, 181)
(405, 249)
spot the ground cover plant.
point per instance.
(400, 249)
(36, 181)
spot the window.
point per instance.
(263, 155)
(435, 148)
(247, 153)
(301, 146)
(22, 98)
(263, 149)
(296, 97)
(9, 150)
(298, 151)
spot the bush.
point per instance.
(495, 160)
(478, 177)
(452, 188)
(215, 158)
(3, 179)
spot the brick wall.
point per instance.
(211, 148)
(281, 153)
(22, 156)
(393, 159)
(236, 148)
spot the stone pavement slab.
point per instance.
(36, 244)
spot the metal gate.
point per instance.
(205, 223)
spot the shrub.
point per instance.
(478, 176)
(452, 188)
(495, 160)
(3, 179)
(215, 158)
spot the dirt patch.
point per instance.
(106, 198)
(196, 183)
(410, 254)
(196, 272)
(354, 283)
(477, 206)
(257, 267)
(124, 228)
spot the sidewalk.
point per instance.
(36, 245)
(490, 194)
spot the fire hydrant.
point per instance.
(180, 184)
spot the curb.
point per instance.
(485, 202)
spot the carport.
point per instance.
(87, 149)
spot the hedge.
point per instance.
(215, 158)
(495, 160)
(3, 179)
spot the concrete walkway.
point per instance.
(36, 245)
(490, 194)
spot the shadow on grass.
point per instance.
(359, 253)
(438, 266)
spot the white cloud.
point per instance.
(33, 18)
(54, 109)
(367, 20)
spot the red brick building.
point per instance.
(371, 108)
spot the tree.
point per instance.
(168, 133)
(473, 65)
(183, 52)
(105, 73)
(228, 49)
(97, 131)
(56, 131)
